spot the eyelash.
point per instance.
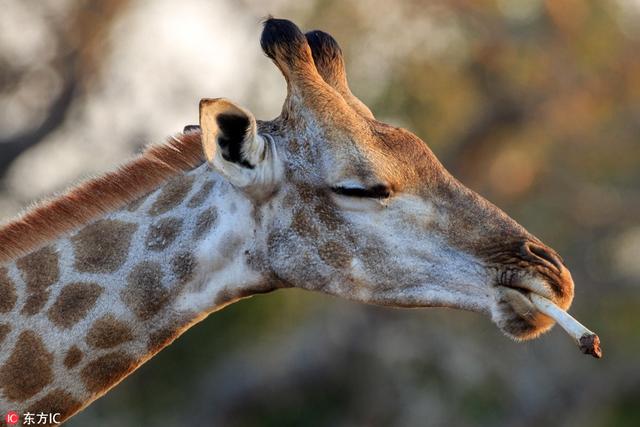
(375, 192)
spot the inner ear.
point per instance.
(229, 133)
(233, 132)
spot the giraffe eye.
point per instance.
(379, 191)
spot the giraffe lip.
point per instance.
(522, 290)
(526, 293)
(527, 286)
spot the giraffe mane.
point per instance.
(97, 196)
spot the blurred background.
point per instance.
(534, 104)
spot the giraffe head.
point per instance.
(351, 206)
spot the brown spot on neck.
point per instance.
(73, 303)
(198, 199)
(40, 270)
(184, 265)
(104, 372)
(28, 368)
(57, 401)
(108, 332)
(205, 222)
(102, 247)
(172, 194)
(144, 294)
(4, 331)
(73, 357)
(8, 294)
(163, 233)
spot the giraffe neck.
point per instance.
(81, 313)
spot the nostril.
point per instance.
(545, 254)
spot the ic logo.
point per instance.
(12, 418)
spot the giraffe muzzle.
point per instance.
(534, 269)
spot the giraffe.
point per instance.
(324, 197)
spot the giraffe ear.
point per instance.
(232, 145)
(229, 130)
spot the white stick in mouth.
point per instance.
(588, 342)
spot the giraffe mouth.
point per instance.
(515, 314)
